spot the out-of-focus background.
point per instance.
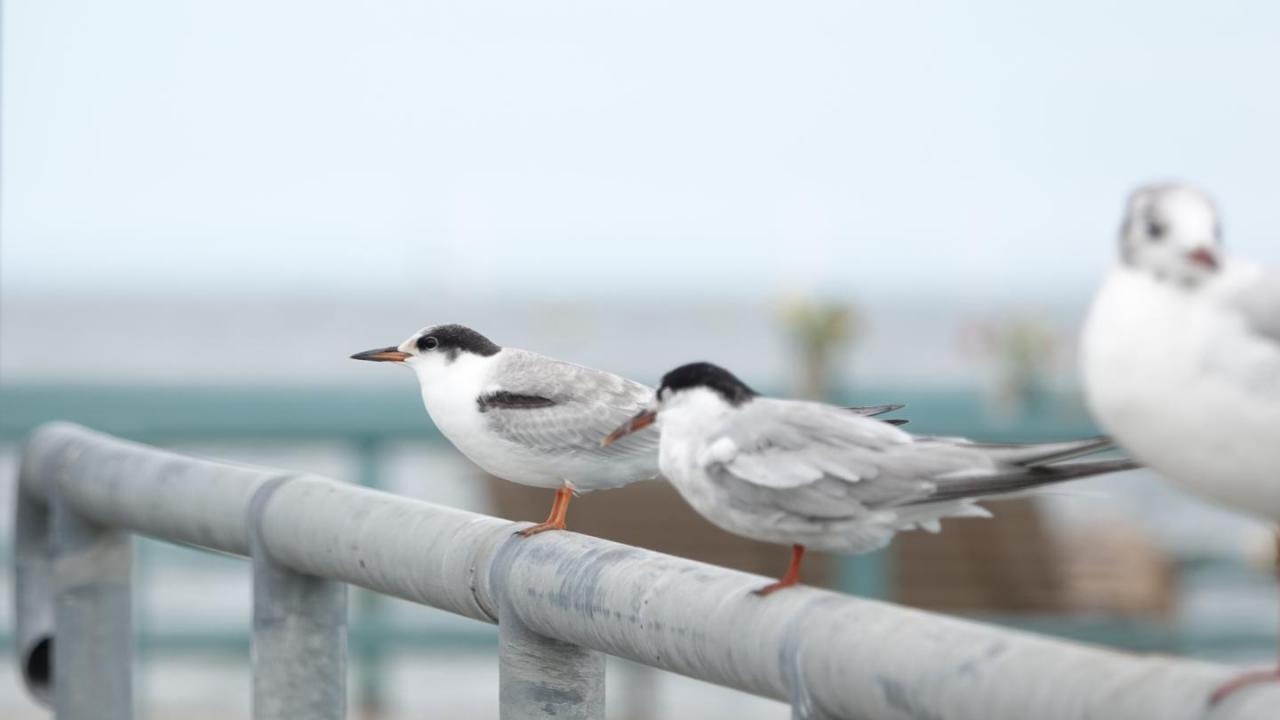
(208, 206)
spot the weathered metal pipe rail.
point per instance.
(561, 600)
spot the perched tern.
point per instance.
(1181, 357)
(812, 475)
(528, 418)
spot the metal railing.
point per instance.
(561, 601)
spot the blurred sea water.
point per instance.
(235, 340)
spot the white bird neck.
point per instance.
(693, 413)
(446, 383)
(1220, 286)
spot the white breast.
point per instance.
(450, 399)
(1179, 381)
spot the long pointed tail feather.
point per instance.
(1037, 454)
(1023, 478)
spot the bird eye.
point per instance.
(427, 342)
(1156, 230)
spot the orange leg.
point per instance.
(1250, 678)
(1256, 676)
(554, 521)
(791, 577)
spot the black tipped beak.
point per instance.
(642, 420)
(386, 354)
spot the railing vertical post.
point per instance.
(33, 594)
(93, 662)
(299, 634)
(370, 607)
(542, 678)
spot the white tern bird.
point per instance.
(812, 475)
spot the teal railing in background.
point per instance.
(367, 420)
(274, 414)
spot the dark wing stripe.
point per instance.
(503, 400)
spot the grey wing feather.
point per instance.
(584, 405)
(1259, 303)
(1022, 478)
(876, 411)
(1033, 454)
(795, 458)
(807, 459)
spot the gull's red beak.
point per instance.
(1204, 257)
(386, 354)
(642, 420)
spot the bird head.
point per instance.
(432, 349)
(1171, 232)
(701, 390)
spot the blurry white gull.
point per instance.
(1181, 358)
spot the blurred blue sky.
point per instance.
(577, 149)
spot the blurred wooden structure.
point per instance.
(1015, 563)
(1012, 563)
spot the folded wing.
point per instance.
(818, 462)
(558, 407)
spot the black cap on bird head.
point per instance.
(713, 377)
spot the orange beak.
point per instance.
(642, 420)
(386, 354)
